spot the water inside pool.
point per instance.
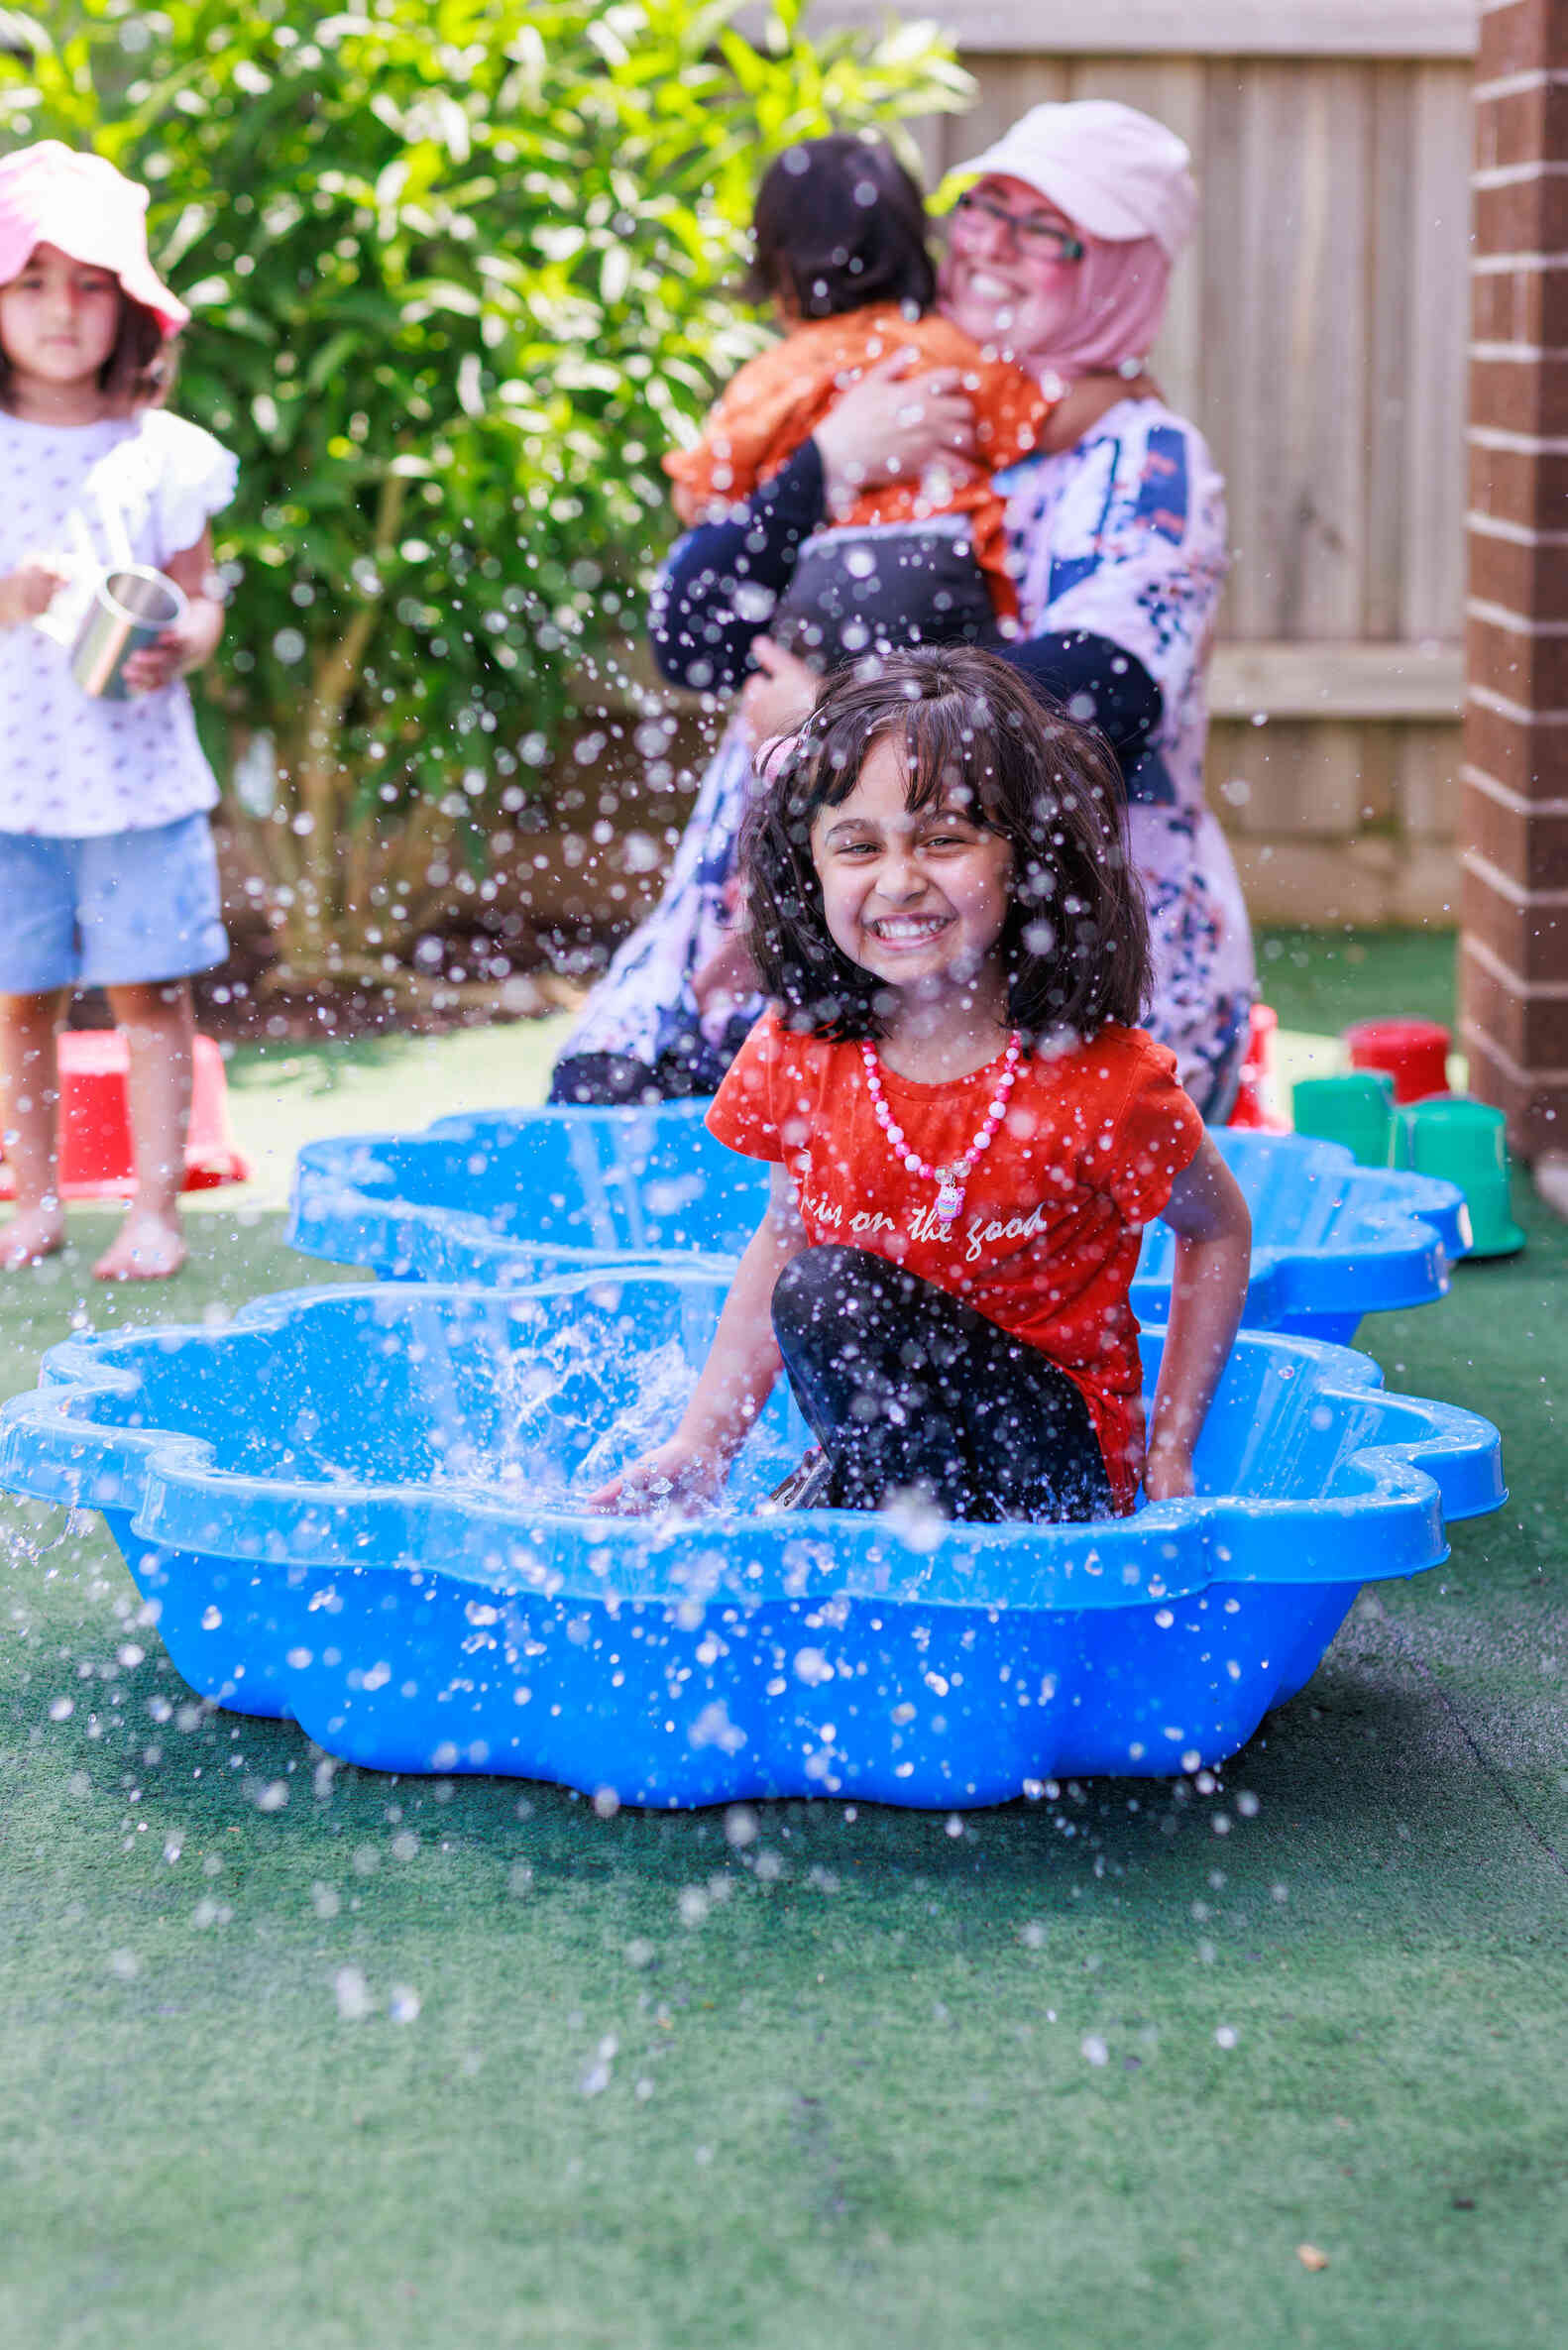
(537, 1397)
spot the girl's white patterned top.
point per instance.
(140, 488)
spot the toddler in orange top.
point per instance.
(841, 251)
(967, 1131)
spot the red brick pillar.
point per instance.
(1514, 958)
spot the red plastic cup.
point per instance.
(1257, 1096)
(1413, 1052)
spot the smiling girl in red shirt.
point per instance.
(968, 1132)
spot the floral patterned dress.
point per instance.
(1122, 535)
(1125, 536)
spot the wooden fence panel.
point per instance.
(1437, 266)
(1317, 331)
(1193, 28)
(1316, 334)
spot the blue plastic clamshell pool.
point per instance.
(514, 1197)
(368, 1509)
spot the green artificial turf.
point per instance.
(284, 1094)
(1322, 980)
(304, 2055)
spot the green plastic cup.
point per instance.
(1356, 1110)
(1466, 1143)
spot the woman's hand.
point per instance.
(670, 1477)
(781, 697)
(28, 591)
(890, 426)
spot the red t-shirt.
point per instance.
(1054, 1212)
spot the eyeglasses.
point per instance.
(1036, 236)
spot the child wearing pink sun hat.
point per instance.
(107, 872)
(51, 196)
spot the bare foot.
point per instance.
(146, 1247)
(32, 1234)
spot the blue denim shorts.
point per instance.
(117, 910)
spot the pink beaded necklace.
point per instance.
(949, 1181)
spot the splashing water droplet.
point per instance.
(351, 1994)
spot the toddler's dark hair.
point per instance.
(1076, 941)
(840, 224)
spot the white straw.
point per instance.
(121, 553)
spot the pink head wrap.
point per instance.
(51, 195)
(1121, 300)
(1124, 182)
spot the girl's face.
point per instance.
(918, 897)
(59, 319)
(1002, 282)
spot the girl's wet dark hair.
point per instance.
(1076, 941)
(840, 224)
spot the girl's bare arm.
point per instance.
(1213, 1232)
(735, 1381)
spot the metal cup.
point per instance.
(130, 607)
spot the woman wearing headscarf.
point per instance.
(1059, 257)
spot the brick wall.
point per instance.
(1514, 950)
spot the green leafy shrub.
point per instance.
(459, 271)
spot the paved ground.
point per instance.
(421, 2063)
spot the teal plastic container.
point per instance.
(1465, 1143)
(1355, 1110)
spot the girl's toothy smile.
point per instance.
(896, 929)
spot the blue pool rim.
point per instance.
(1401, 1233)
(1108, 1652)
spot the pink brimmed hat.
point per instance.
(51, 195)
(1116, 174)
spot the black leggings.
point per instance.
(906, 1387)
(604, 1080)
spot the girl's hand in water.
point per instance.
(736, 1382)
(890, 426)
(780, 697)
(671, 1477)
(1167, 1472)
